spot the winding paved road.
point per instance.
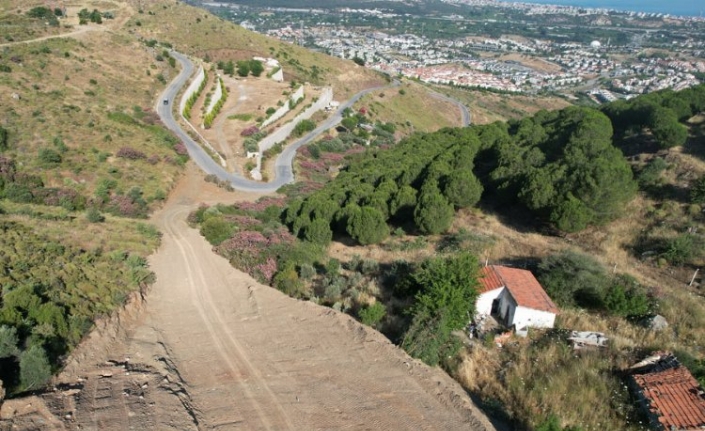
(283, 163)
(464, 111)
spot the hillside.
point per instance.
(85, 161)
(393, 215)
(603, 206)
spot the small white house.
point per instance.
(515, 297)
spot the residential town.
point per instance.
(450, 62)
(603, 68)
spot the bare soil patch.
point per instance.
(536, 63)
(212, 348)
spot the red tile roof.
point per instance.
(674, 398)
(489, 280)
(520, 283)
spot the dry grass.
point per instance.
(115, 234)
(531, 379)
(67, 90)
(486, 107)
(533, 62)
(527, 380)
(413, 111)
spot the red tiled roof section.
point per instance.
(525, 289)
(489, 280)
(675, 398)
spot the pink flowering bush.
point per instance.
(180, 149)
(261, 204)
(125, 206)
(265, 271)
(250, 131)
(243, 222)
(130, 153)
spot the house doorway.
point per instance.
(495, 307)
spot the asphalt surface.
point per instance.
(283, 164)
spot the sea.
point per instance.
(673, 7)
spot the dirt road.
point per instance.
(213, 349)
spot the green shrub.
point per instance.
(216, 230)
(94, 216)
(4, 139)
(446, 297)
(303, 126)
(367, 225)
(433, 213)
(35, 370)
(49, 157)
(307, 271)
(372, 314)
(319, 232)
(697, 191)
(287, 280)
(682, 249)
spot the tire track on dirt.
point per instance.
(226, 345)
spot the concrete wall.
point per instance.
(278, 75)
(192, 88)
(282, 111)
(284, 131)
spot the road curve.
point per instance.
(283, 165)
(464, 112)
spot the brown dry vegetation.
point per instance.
(536, 63)
(487, 107)
(410, 108)
(68, 92)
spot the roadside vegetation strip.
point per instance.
(218, 92)
(283, 164)
(221, 95)
(284, 109)
(192, 93)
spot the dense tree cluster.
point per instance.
(660, 112)
(243, 68)
(416, 180)
(46, 14)
(84, 16)
(563, 167)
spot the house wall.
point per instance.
(527, 317)
(483, 305)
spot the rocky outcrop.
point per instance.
(655, 323)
